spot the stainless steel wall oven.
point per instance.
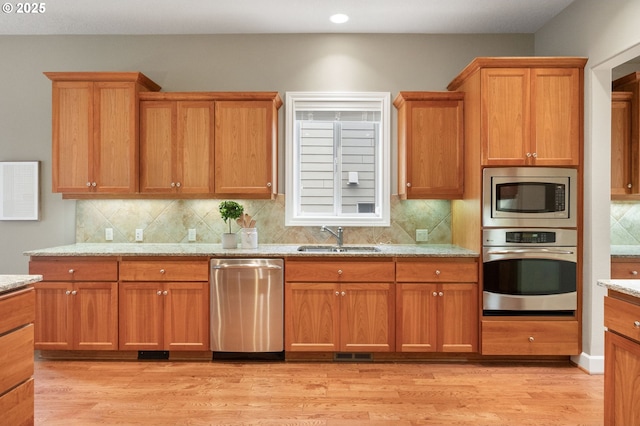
(529, 271)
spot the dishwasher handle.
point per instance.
(246, 266)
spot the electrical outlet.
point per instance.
(422, 235)
(139, 234)
(192, 234)
(108, 234)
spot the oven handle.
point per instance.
(541, 250)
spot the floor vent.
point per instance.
(153, 354)
(352, 356)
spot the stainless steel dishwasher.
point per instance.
(247, 301)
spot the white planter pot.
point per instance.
(229, 241)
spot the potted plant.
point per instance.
(230, 211)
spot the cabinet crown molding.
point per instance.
(132, 77)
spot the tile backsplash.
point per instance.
(625, 223)
(168, 221)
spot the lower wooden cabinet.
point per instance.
(322, 313)
(625, 268)
(76, 304)
(157, 312)
(621, 360)
(530, 337)
(437, 306)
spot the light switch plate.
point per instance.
(139, 235)
(192, 234)
(422, 235)
(108, 234)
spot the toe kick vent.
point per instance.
(353, 356)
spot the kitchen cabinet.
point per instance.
(176, 146)
(544, 336)
(530, 110)
(16, 357)
(164, 304)
(625, 268)
(95, 131)
(76, 304)
(246, 149)
(437, 305)
(622, 359)
(622, 180)
(430, 144)
(341, 305)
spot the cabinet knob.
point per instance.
(159, 293)
(173, 184)
(528, 155)
(636, 324)
(441, 294)
(164, 293)
(534, 155)
(531, 338)
(629, 186)
(339, 271)
(94, 184)
(435, 293)
(437, 271)
(68, 292)
(408, 184)
(337, 293)
(343, 293)
(162, 271)
(268, 184)
(71, 271)
(178, 184)
(88, 184)
(634, 272)
(74, 292)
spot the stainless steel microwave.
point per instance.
(530, 197)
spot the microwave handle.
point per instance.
(541, 250)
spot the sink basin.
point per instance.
(336, 249)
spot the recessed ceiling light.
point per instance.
(339, 18)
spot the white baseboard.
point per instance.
(592, 364)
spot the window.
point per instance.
(338, 150)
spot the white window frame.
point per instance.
(379, 101)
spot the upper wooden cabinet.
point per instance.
(530, 109)
(623, 181)
(430, 144)
(95, 131)
(176, 146)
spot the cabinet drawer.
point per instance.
(530, 338)
(622, 317)
(75, 269)
(437, 271)
(335, 271)
(17, 309)
(16, 357)
(17, 406)
(164, 270)
(625, 270)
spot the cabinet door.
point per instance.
(621, 372)
(157, 157)
(186, 316)
(115, 143)
(434, 149)
(72, 115)
(556, 111)
(244, 148)
(54, 321)
(367, 317)
(194, 165)
(141, 316)
(505, 115)
(458, 317)
(95, 316)
(417, 318)
(621, 182)
(312, 317)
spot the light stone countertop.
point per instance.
(14, 282)
(630, 287)
(263, 250)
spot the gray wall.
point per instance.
(192, 63)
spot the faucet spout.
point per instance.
(338, 234)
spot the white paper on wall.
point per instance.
(19, 190)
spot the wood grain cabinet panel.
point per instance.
(514, 337)
(622, 181)
(430, 144)
(95, 131)
(625, 269)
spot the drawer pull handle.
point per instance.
(71, 271)
(634, 272)
(68, 292)
(164, 293)
(339, 271)
(159, 293)
(162, 271)
(337, 293)
(437, 272)
(441, 294)
(531, 338)
(636, 324)
(74, 292)
(435, 293)
(343, 293)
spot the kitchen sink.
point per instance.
(336, 249)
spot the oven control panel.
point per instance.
(510, 237)
(528, 237)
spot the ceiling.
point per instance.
(280, 16)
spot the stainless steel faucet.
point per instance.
(338, 235)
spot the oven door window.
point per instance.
(529, 197)
(527, 277)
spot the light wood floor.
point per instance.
(304, 393)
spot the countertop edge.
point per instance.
(14, 282)
(629, 287)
